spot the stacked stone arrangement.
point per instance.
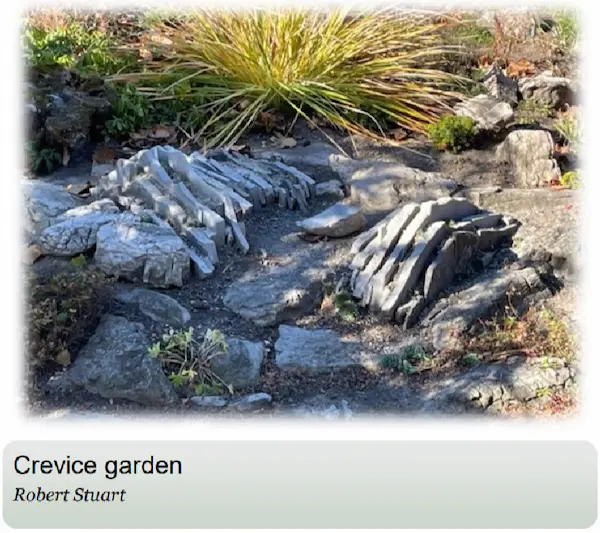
(162, 215)
(404, 263)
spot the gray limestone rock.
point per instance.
(159, 307)
(78, 234)
(455, 314)
(548, 89)
(142, 252)
(340, 220)
(488, 113)
(530, 155)
(240, 366)
(281, 293)
(115, 364)
(316, 350)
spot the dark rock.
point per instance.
(115, 364)
(500, 86)
(240, 366)
(157, 306)
(454, 258)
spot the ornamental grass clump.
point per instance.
(359, 71)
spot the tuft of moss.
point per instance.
(452, 133)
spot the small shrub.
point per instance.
(74, 46)
(62, 312)
(131, 111)
(471, 359)
(530, 112)
(187, 361)
(42, 160)
(452, 133)
(407, 362)
(346, 307)
(567, 29)
(569, 129)
(570, 179)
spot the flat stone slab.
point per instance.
(339, 220)
(142, 252)
(157, 306)
(115, 364)
(276, 295)
(315, 350)
(550, 222)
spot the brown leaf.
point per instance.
(520, 69)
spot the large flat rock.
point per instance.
(549, 219)
(316, 350)
(278, 294)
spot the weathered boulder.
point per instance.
(547, 89)
(379, 187)
(115, 364)
(44, 203)
(339, 220)
(157, 306)
(457, 313)
(240, 366)
(142, 252)
(333, 188)
(488, 113)
(281, 293)
(530, 154)
(317, 350)
(76, 235)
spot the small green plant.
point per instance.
(471, 359)
(567, 29)
(569, 129)
(131, 111)
(570, 179)
(43, 160)
(452, 133)
(531, 112)
(74, 46)
(345, 307)
(543, 392)
(79, 261)
(187, 361)
(407, 362)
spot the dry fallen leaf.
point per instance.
(520, 69)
